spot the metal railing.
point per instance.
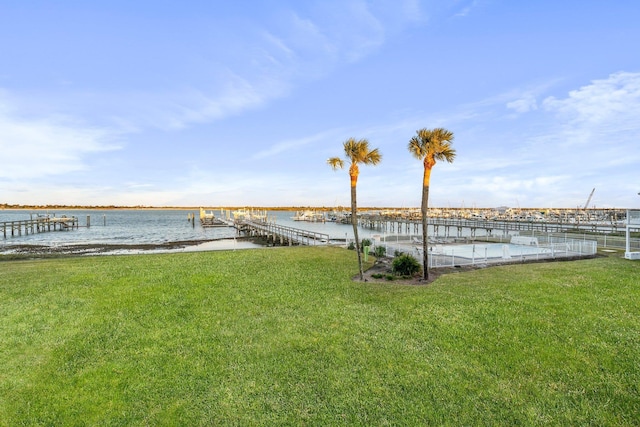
(285, 234)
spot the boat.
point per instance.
(208, 219)
(310, 216)
(249, 215)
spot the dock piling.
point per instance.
(38, 225)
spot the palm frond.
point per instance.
(436, 143)
(335, 163)
(446, 153)
(416, 149)
(372, 157)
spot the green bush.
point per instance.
(352, 246)
(380, 251)
(405, 265)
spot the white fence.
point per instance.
(451, 255)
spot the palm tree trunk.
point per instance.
(428, 164)
(425, 242)
(354, 222)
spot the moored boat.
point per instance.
(310, 216)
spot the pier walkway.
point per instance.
(454, 226)
(37, 225)
(280, 233)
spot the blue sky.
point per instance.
(219, 103)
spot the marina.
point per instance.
(457, 228)
(451, 222)
(396, 229)
(309, 216)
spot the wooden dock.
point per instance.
(281, 234)
(37, 225)
(450, 227)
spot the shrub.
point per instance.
(390, 277)
(351, 246)
(377, 275)
(405, 265)
(380, 251)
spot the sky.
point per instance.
(241, 103)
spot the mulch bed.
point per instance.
(382, 266)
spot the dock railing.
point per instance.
(283, 233)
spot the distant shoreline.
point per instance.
(176, 208)
(7, 207)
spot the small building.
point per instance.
(633, 223)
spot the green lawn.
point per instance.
(284, 337)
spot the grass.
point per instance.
(284, 337)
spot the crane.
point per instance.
(586, 205)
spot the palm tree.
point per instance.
(430, 146)
(356, 152)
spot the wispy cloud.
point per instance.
(595, 124)
(43, 146)
(609, 102)
(280, 51)
(524, 104)
(584, 139)
(297, 47)
(237, 95)
(551, 150)
(466, 9)
(296, 144)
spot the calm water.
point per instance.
(116, 227)
(131, 227)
